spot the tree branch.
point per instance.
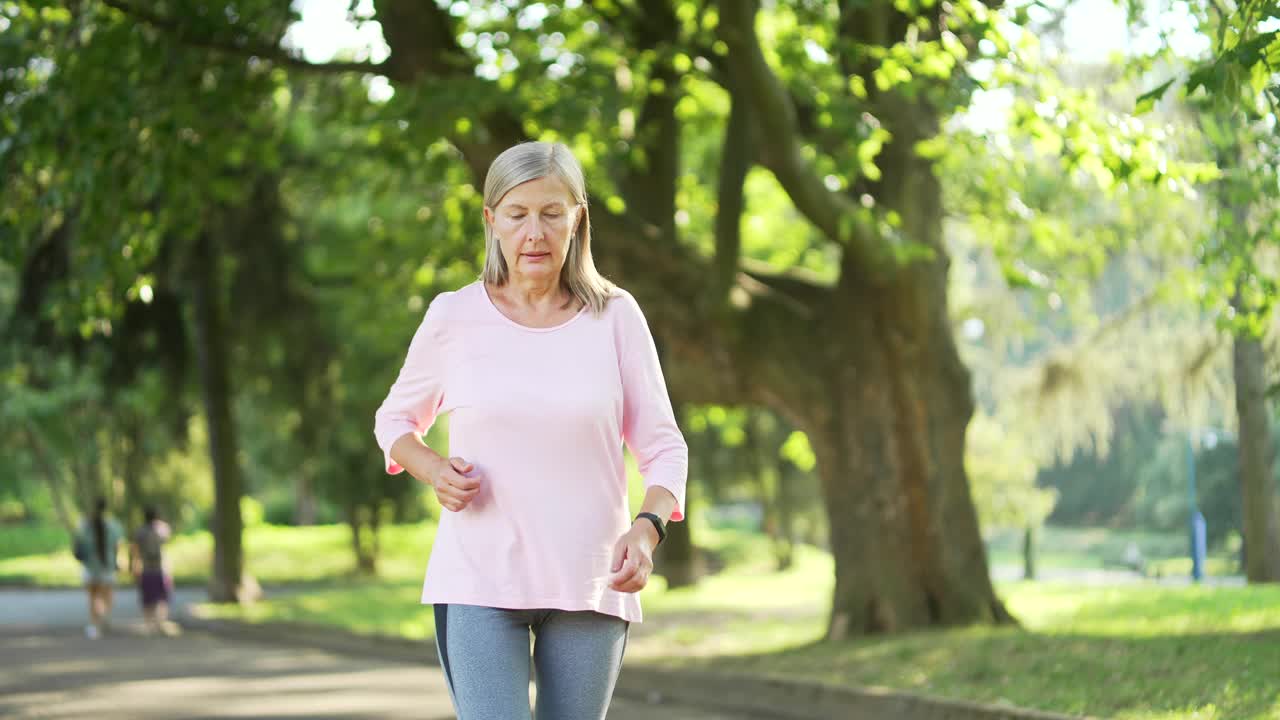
(239, 46)
(735, 163)
(837, 216)
(652, 174)
(423, 40)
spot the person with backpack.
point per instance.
(96, 543)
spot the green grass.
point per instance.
(273, 555)
(390, 604)
(1124, 652)
(1063, 548)
(22, 540)
(378, 607)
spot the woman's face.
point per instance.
(533, 223)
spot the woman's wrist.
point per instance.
(433, 466)
(649, 528)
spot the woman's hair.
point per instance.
(100, 528)
(149, 514)
(530, 161)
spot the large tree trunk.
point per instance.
(1261, 540)
(891, 443)
(226, 582)
(904, 531)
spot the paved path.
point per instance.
(49, 669)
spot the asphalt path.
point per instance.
(50, 669)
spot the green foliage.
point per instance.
(1002, 476)
(750, 455)
(1234, 97)
(93, 146)
(21, 540)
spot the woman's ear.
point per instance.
(488, 215)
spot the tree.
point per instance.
(1239, 256)
(1238, 112)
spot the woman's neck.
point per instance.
(534, 293)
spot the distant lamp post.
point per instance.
(1196, 523)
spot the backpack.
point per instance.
(80, 548)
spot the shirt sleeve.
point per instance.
(415, 397)
(648, 423)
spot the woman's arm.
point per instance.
(420, 461)
(455, 488)
(412, 402)
(649, 424)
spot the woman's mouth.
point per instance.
(537, 257)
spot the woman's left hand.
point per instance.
(632, 559)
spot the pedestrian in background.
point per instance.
(96, 545)
(147, 563)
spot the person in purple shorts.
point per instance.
(146, 561)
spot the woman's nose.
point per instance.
(534, 231)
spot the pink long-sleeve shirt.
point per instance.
(543, 414)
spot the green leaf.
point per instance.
(1147, 100)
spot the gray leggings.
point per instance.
(485, 655)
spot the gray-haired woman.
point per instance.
(546, 369)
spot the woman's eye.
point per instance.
(552, 216)
(516, 217)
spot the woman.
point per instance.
(96, 540)
(545, 368)
(146, 562)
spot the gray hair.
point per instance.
(529, 161)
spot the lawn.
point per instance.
(1066, 548)
(1137, 651)
(273, 555)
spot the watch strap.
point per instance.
(657, 523)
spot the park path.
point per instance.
(49, 669)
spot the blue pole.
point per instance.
(1196, 524)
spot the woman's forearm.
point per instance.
(416, 458)
(659, 501)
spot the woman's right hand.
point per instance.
(454, 488)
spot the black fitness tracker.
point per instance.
(657, 523)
